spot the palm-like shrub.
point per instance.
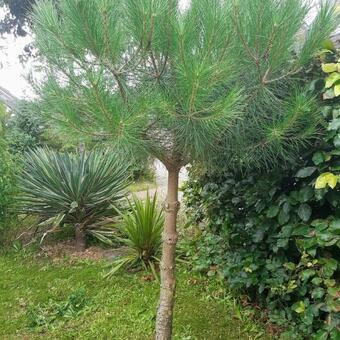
(142, 230)
(69, 188)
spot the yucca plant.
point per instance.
(70, 188)
(141, 229)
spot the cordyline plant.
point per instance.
(141, 231)
(181, 85)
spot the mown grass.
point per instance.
(122, 307)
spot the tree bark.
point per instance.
(80, 237)
(167, 265)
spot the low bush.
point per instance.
(277, 235)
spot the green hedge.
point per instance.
(277, 235)
(7, 186)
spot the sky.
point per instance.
(13, 73)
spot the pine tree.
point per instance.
(181, 85)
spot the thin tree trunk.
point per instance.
(80, 237)
(167, 266)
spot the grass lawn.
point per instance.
(122, 307)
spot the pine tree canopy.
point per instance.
(181, 84)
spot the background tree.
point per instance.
(7, 175)
(181, 85)
(16, 19)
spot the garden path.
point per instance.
(161, 176)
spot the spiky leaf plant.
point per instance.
(71, 188)
(141, 233)
(152, 77)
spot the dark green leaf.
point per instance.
(305, 172)
(303, 230)
(318, 293)
(283, 217)
(334, 124)
(273, 211)
(306, 194)
(305, 212)
(318, 158)
(306, 274)
(334, 227)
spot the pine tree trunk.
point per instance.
(167, 266)
(80, 237)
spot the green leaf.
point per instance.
(286, 207)
(299, 307)
(290, 265)
(321, 335)
(334, 124)
(329, 68)
(302, 230)
(306, 274)
(318, 293)
(334, 227)
(328, 45)
(283, 217)
(316, 281)
(273, 211)
(330, 282)
(258, 235)
(333, 291)
(305, 212)
(306, 194)
(307, 171)
(329, 266)
(319, 224)
(330, 80)
(318, 158)
(337, 90)
(327, 178)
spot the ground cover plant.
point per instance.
(151, 77)
(44, 298)
(276, 234)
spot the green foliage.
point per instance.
(25, 129)
(44, 316)
(142, 169)
(150, 77)
(68, 188)
(276, 235)
(7, 181)
(7, 177)
(333, 79)
(141, 234)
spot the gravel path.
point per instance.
(161, 175)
